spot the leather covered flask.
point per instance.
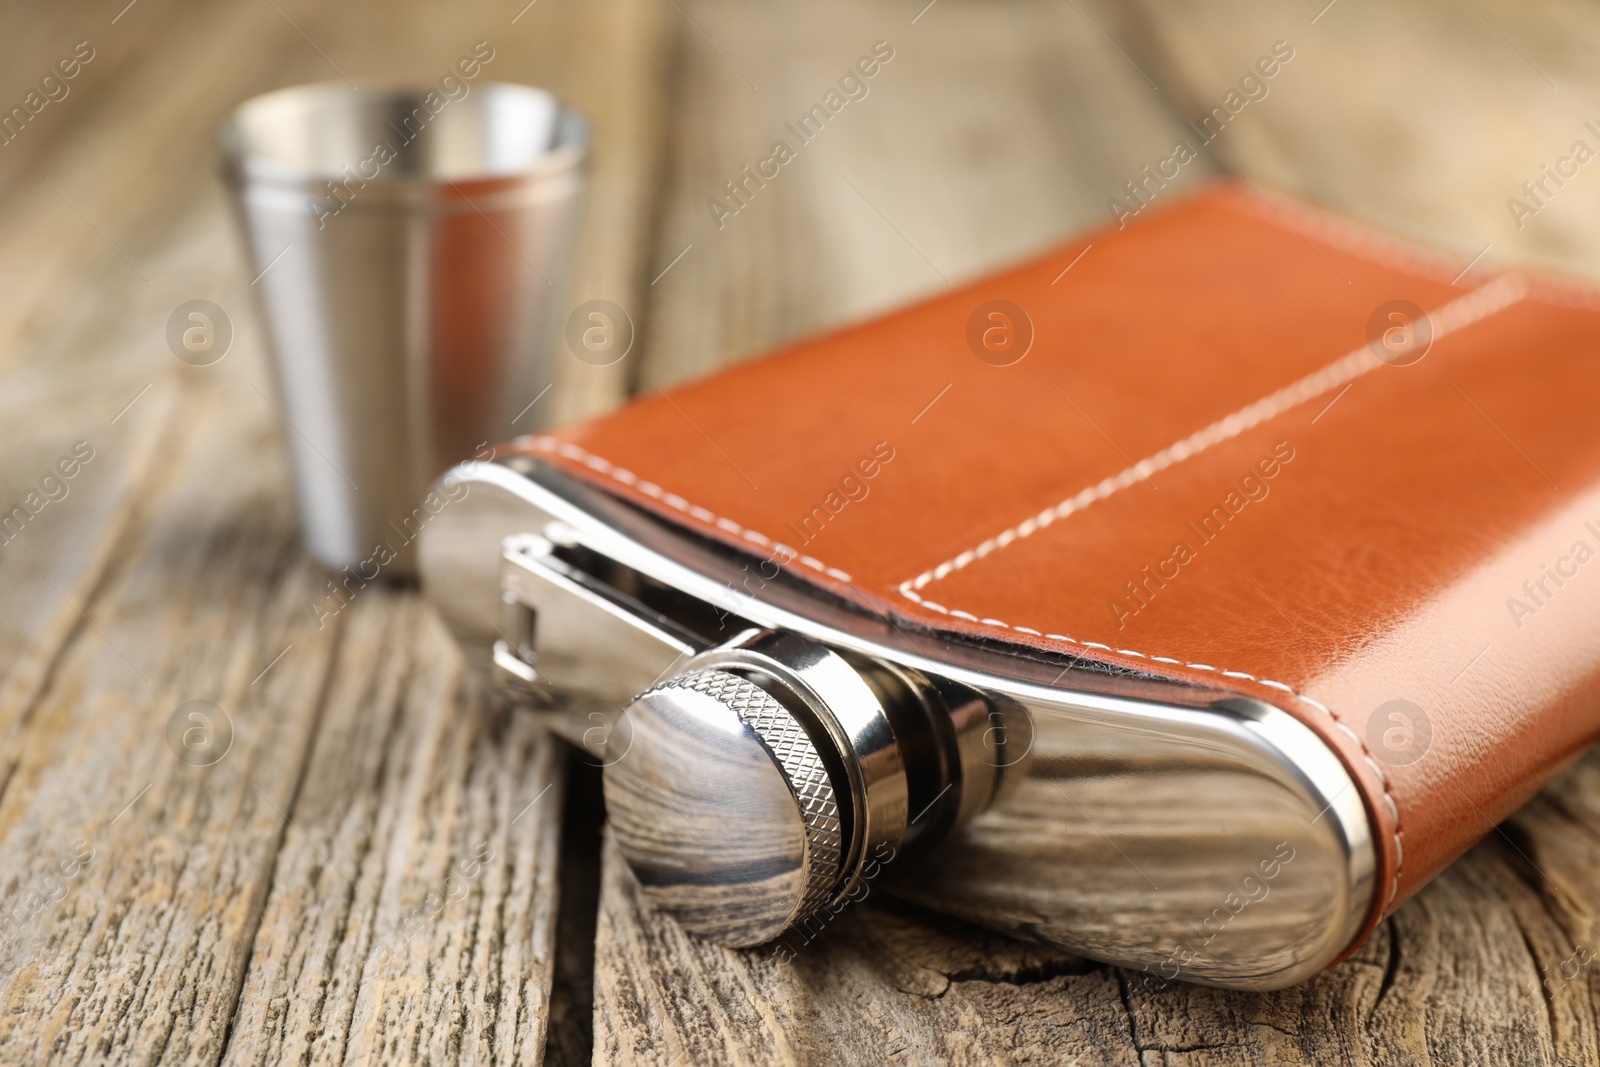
(1188, 596)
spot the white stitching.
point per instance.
(626, 477)
(1383, 781)
(1382, 247)
(1479, 304)
(1566, 293)
(1463, 311)
(673, 500)
(1351, 236)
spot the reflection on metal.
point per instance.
(745, 880)
(1179, 829)
(641, 645)
(410, 264)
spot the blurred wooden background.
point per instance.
(287, 903)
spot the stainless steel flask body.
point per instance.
(771, 757)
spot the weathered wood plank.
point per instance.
(205, 926)
(69, 481)
(1425, 118)
(888, 984)
(146, 957)
(98, 209)
(143, 955)
(87, 694)
(570, 1040)
(410, 917)
(90, 324)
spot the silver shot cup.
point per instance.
(409, 249)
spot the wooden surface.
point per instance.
(381, 870)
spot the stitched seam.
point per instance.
(678, 503)
(628, 478)
(1473, 307)
(1383, 779)
(1566, 293)
(1479, 304)
(1384, 248)
(1464, 311)
(1350, 236)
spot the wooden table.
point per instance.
(289, 902)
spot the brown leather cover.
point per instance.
(1200, 469)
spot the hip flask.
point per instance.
(902, 608)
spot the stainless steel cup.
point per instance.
(410, 249)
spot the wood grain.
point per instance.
(326, 891)
(888, 985)
(410, 917)
(1425, 118)
(144, 953)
